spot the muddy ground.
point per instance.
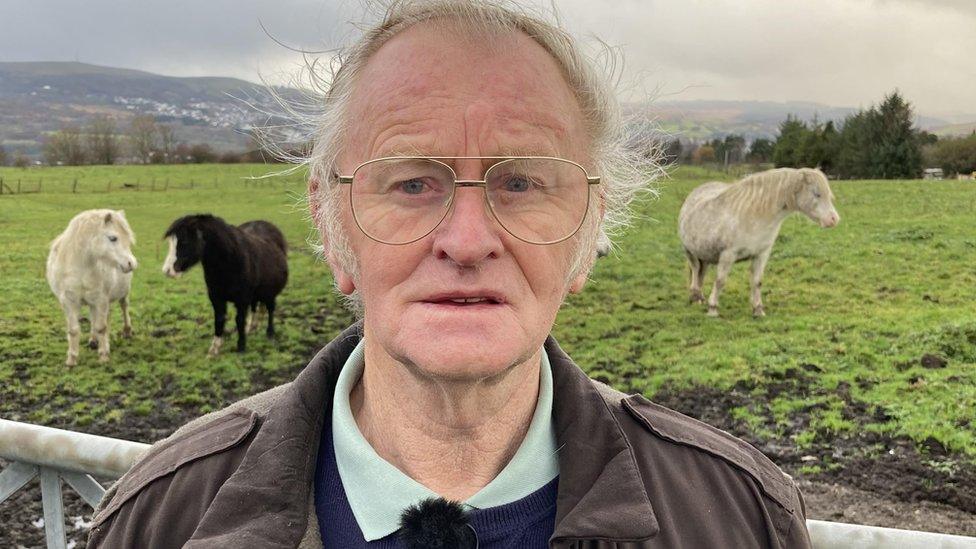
(872, 479)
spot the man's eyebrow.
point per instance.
(544, 150)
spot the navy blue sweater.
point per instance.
(526, 523)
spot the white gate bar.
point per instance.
(14, 477)
(53, 509)
(838, 535)
(88, 488)
(67, 450)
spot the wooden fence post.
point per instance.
(74, 186)
(18, 186)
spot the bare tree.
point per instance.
(143, 137)
(103, 144)
(167, 142)
(65, 147)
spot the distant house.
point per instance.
(933, 173)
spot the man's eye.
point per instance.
(412, 186)
(517, 184)
(112, 238)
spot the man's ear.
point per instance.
(343, 281)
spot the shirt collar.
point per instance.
(378, 492)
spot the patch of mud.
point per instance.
(873, 467)
(839, 503)
(20, 512)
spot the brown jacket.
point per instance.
(632, 474)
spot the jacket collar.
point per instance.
(266, 501)
(601, 493)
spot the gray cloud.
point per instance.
(840, 52)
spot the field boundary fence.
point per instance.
(37, 185)
(57, 454)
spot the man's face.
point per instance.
(469, 300)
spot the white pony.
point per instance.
(91, 264)
(723, 223)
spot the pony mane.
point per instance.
(216, 227)
(764, 192)
(88, 222)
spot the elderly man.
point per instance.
(466, 164)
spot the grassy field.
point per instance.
(853, 310)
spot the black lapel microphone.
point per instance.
(437, 523)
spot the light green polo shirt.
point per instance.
(378, 492)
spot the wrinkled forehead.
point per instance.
(437, 89)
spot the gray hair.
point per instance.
(625, 170)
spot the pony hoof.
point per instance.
(713, 313)
(127, 333)
(92, 344)
(758, 312)
(71, 361)
(103, 358)
(696, 299)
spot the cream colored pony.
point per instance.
(91, 264)
(723, 223)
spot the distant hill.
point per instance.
(702, 120)
(38, 98)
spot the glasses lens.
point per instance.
(539, 200)
(399, 200)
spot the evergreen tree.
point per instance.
(898, 152)
(761, 151)
(788, 145)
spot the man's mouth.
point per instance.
(465, 300)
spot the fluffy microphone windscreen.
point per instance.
(436, 522)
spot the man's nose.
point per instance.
(470, 233)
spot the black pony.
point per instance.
(244, 265)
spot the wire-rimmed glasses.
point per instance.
(401, 199)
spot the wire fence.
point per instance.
(75, 185)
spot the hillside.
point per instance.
(37, 98)
(701, 120)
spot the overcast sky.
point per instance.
(836, 52)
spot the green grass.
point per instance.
(862, 302)
(163, 369)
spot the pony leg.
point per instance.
(126, 319)
(725, 262)
(71, 313)
(241, 320)
(99, 313)
(270, 306)
(220, 317)
(92, 338)
(755, 282)
(696, 268)
(252, 318)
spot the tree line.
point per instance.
(143, 140)
(880, 142)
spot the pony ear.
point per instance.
(108, 218)
(121, 213)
